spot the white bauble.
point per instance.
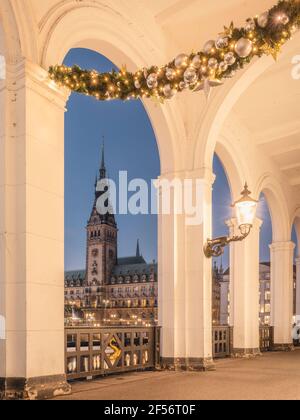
(222, 42)
(229, 58)
(181, 61)
(213, 63)
(263, 20)
(170, 74)
(152, 81)
(196, 62)
(190, 75)
(250, 25)
(243, 47)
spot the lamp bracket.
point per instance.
(215, 247)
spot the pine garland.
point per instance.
(234, 48)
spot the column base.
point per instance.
(188, 365)
(245, 353)
(34, 388)
(283, 347)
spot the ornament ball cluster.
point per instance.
(219, 59)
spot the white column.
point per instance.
(185, 280)
(244, 291)
(298, 288)
(282, 293)
(32, 236)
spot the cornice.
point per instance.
(26, 73)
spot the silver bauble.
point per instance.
(223, 66)
(169, 92)
(213, 63)
(222, 42)
(229, 58)
(250, 25)
(183, 85)
(208, 46)
(263, 20)
(190, 75)
(181, 61)
(152, 81)
(170, 74)
(137, 84)
(196, 62)
(243, 47)
(285, 19)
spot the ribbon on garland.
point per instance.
(218, 60)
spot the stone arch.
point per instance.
(100, 30)
(219, 108)
(296, 224)
(212, 122)
(233, 164)
(10, 43)
(271, 188)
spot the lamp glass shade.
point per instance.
(245, 212)
(246, 208)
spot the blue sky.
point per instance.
(129, 145)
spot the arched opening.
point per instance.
(109, 275)
(296, 271)
(266, 235)
(222, 200)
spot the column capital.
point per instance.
(31, 75)
(282, 246)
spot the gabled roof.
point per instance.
(132, 269)
(131, 260)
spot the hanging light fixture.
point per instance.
(245, 209)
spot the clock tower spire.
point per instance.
(102, 239)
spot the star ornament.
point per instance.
(206, 85)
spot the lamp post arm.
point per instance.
(215, 247)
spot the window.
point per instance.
(268, 308)
(268, 296)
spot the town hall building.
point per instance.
(112, 290)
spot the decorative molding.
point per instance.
(35, 77)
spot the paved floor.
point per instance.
(274, 376)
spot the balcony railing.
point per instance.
(266, 338)
(223, 336)
(221, 342)
(103, 351)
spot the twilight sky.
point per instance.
(129, 145)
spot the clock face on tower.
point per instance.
(95, 253)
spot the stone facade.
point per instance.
(264, 295)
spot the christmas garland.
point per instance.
(233, 49)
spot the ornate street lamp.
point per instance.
(245, 209)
